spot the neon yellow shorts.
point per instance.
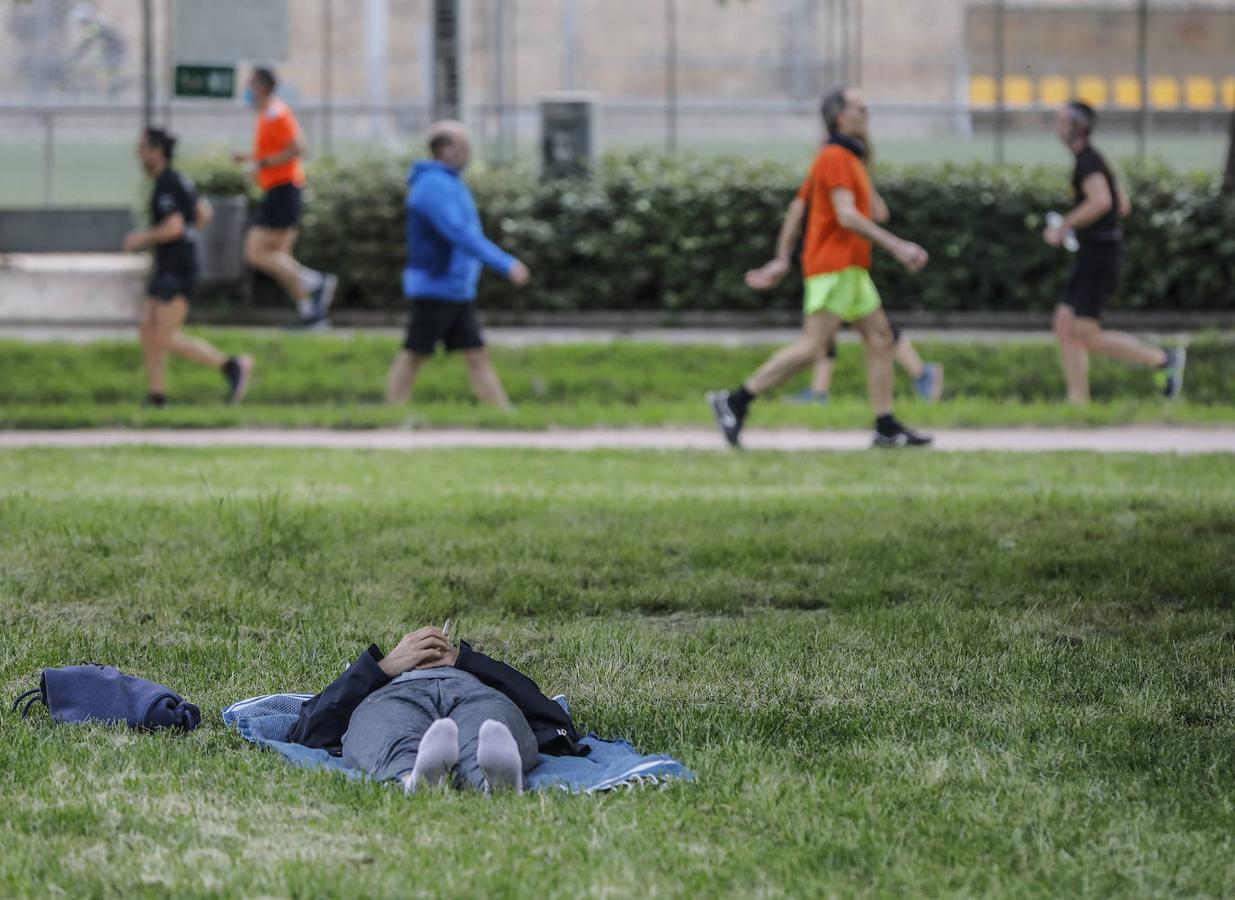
(848, 294)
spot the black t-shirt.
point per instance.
(175, 193)
(1107, 228)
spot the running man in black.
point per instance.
(175, 214)
(1101, 205)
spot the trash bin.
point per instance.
(568, 134)
(221, 246)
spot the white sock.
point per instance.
(438, 753)
(305, 308)
(498, 757)
(310, 279)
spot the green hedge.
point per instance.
(650, 232)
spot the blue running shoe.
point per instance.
(1170, 378)
(807, 395)
(930, 385)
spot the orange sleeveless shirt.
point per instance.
(276, 128)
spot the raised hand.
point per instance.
(767, 276)
(912, 256)
(519, 274)
(428, 645)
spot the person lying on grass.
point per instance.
(428, 713)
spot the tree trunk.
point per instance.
(1228, 181)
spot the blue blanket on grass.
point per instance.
(266, 721)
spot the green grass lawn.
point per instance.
(894, 675)
(338, 381)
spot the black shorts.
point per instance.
(1095, 275)
(453, 324)
(280, 208)
(168, 284)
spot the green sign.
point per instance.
(215, 82)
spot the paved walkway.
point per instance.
(1138, 439)
(537, 337)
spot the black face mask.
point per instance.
(852, 144)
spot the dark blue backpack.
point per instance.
(94, 693)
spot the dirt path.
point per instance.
(1133, 439)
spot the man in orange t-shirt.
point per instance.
(836, 254)
(278, 146)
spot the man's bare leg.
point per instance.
(877, 336)
(907, 356)
(269, 250)
(821, 379)
(729, 408)
(1117, 344)
(402, 377)
(817, 330)
(1072, 355)
(485, 380)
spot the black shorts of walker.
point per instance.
(452, 324)
(1094, 278)
(166, 285)
(280, 208)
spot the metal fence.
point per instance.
(947, 79)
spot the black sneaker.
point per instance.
(1170, 378)
(729, 422)
(238, 371)
(900, 436)
(155, 401)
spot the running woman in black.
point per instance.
(1101, 205)
(175, 214)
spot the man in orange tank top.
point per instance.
(278, 146)
(841, 210)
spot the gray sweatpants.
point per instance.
(384, 733)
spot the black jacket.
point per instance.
(323, 718)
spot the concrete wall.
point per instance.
(79, 288)
(912, 50)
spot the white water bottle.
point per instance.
(1070, 243)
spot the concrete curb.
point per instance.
(1131, 439)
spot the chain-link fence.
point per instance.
(949, 79)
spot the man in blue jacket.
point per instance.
(446, 248)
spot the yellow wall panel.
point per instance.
(1200, 93)
(1018, 91)
(982, 90)
(1164, 92)
(1195, 92)
(1054, 90)
(1092, 90)
(1128, 92)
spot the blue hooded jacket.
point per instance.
(445, 244)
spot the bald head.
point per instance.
(449, 144)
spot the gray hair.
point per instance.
(833, 105)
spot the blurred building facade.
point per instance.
(717, 73)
